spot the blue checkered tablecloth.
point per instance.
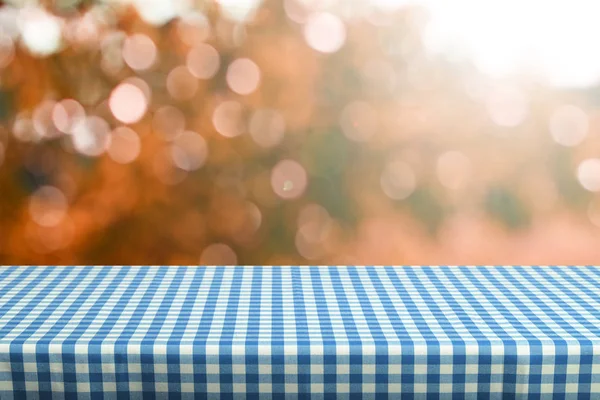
(299, 332)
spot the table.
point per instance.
(299, 332)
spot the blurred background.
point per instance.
(299, 132)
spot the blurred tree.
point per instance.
(267, 162)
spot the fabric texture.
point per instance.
(299, 332)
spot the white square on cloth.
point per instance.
(264, 350)
(29, 367)
(186, 369)
(471, 369)
(135, 386)
(368, 387)
(291, 369)
(342, 369)
(238, 350)
(160, 368)
(134, 368)
(572, 388)
(317, 388)
(420, 387)
(572, 369)
(213, 387)
(265, 387)
(238, 369)
(239, 387)
(316, 349)
(57, 386)
(187, 387)
(161, 387)
(83, 387)
(291, 388)
(212, 369)
(394, 388)
(108, 368)
(547, 388)
(547, 369)
(420, 369)
(445, 388)
(496, 387)
(446, 369)
(264, 369)
(342, 387)
(316, 369)
(471, 387)
(370, 369)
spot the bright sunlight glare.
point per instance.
(553, 40)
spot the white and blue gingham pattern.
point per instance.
(299, 332)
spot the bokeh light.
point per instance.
(125, 145)
(227, 117)
(569, 125)
(65, 113)
(128, 103)
(189, 151)
(42, 119)
(398, 180)
(296, 10)
(48, 206)
(588, 173)
(83, 31)
(193, 28)
(23, 129)
(239, 10)
(243, 76)
(139, 52)
(90, 135)
(267, 127)
(289, 179)
(159, 12)
(324, 32)
(48, 239)
(40, 31)
(203, 61)
(9, 20)
(181, 84)
(141, 84)
(218, 254)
